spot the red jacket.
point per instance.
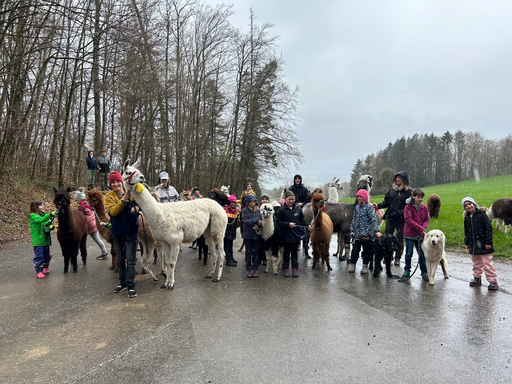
(89, 216)
(416, 221)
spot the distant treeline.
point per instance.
(432, 160)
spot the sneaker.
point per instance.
(255, 274)
(286, 273)
(476, 282)
(295, 273)
(424, 276)
(351, 268)
(40, 275)
(397, 260)
(406, 273)
(364, 271)
(132, 293)
(46, 271)
(248, 274)
(493, 286)
(119, 289)
(102, 257)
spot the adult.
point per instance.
(104, 165)
(394, 201)
(248, 191)
(92, 168)
(125, 226)
(288, 218)
(299, 190)
(233, 214)
(166, 192)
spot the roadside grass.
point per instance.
(450, 219)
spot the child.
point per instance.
(363, 227)
(288, 218)
(478, 242)
(88, 212)
(230, 234)
(251, 216)
(40, 227)
(416, 224)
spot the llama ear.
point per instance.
(136, 164)
(337, 181)
(69, 189)
(55, 190)
(127, 163)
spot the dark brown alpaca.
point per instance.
(72, 231)
(434, 205)
(95, 200)
(322, 231)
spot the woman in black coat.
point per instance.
(478, 242)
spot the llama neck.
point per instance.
(149, 206)
(101, 212)
(64, 215)
(333, 195)
(268, 227)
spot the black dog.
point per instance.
(383, 248)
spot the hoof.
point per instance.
(207, 277)
(111, 267)
(168, 288)
(431, 284)
(447, 277)
(216, 280)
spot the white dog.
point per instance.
(433, 247)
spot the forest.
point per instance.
(433, 160)
(169, 82)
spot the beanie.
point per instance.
(364, 194)
(80, 195)
(469, 199)
(115, 176)
(250, 197)
(265, 195)
(232, 199)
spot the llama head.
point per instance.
(336, 183)
(131, 175)
(365, 182)
(62, 198)
(94, 197)
(225, 189)
(266, 210)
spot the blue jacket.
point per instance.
(364, 222)
(249, 218)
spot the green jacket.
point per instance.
(37, 223)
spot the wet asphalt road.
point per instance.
(319, 328)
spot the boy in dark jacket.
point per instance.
(300, 191)
(394, 201)
(478, 242)
(251, 216)
(288, 218)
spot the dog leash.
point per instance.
(405, 279)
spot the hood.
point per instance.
(89, 153)
(364, 194)
(471, 200)
(299, 176)
(404, 176)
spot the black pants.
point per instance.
(391, 227)
(367, 246)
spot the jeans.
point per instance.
(252, 254)
(42, 257)
(367, 246)
(409, 248)
(290, 249)
(126, 248)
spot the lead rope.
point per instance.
(303, 227)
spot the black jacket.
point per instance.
(284, 217)
(478, 233)
(300, 191)
(395, 201)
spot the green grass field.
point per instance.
(450, 220)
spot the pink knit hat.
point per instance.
(364, 194)
(232, 198)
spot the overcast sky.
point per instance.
(370, 72)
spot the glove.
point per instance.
(54, 213)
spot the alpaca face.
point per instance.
(225, 189)
(131, 175)
(62, 199)
(93, 198)
(266, 210)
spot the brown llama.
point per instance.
(434, 205)
(322, 231)
(72, 230)
(95, 200)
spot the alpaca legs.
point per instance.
(145, 261)
(170, 253)
(218, 255)
(83, 249)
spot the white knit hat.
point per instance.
(80, 194)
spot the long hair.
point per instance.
(34, 205)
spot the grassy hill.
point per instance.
(450, 220)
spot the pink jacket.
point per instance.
(89, 216)
(416, 221)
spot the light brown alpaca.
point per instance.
(95, 200)
(322, 231)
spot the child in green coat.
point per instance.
(40, 227)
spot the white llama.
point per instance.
(270, 238)
(334, 187)
(182, 221)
